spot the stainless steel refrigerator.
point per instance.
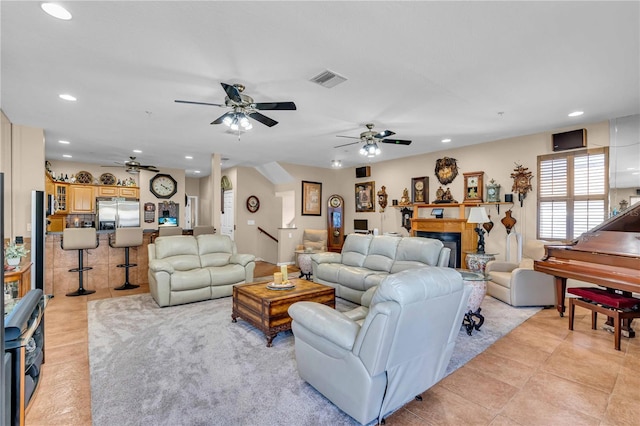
(121, 213)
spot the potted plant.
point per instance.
(13, 253)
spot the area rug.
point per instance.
(191, 365)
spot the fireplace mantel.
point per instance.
(468, 236)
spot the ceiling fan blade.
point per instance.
(275, 105)
(346, 144)
(384, 134)
(198, 103)
(232, 92)
(396, 141)
(148, 167)
(222, 117)
(263, 119)
(348, 137)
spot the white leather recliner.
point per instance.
(518, 284)
(372, 367)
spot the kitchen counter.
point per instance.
(104, 260)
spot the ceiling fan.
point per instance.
(133, 166)
(370, 138)
(243, 106)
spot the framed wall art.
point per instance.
(420, 189)
(365, 192)
(311, 198)
(473, 187)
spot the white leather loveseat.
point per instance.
(366, 260)
(185, 269)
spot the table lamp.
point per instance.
(478, 215)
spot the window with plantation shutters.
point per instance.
(572, 193)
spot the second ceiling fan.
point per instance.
(370, 138)
(243, 106)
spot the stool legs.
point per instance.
(126, 265)
(81, 291)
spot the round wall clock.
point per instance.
(253, 204)
(163, 186)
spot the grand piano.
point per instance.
(608, 255)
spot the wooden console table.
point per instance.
(21, 275)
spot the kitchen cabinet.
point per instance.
(62, 197)
(82, 199)
(118, 191)
(56, 223)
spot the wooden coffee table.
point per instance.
(266, 309)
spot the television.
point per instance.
(361, 225)
(168, 221)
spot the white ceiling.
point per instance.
(426, 70)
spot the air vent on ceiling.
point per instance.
(328, 79)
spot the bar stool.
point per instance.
(126, 238)
(169, 230)
(79, 239)
(203, 229)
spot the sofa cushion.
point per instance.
(382, 253)
(328, 271)
(355, 249)
(419, 249)
(181, 251)
(227, 274)
(214, 250)
(190, 280)
(502, 278)
(353, 277)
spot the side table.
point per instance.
(479, 283)
(477, 262)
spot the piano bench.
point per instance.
(616, 306)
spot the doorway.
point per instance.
(227, 225)
(191, 212)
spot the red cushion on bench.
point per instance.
(600, 295)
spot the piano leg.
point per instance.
(561, 288)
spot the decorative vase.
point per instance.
(508, 221)
(13, 261)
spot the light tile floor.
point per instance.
(539, 374)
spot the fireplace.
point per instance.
(452, 240)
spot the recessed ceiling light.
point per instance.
(196, 171)
(137, 151)
(576, 113)
(631, 168)
(446, 140)
(68, 97)
(188, 157)
(56, 11)
(66, 155)
(64, 142)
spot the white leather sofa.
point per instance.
(366, 260)
(517, 283)
(185, 269)
(401, 348)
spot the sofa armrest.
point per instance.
(365, 300)
(325, 323)
(500, 266)
(242, 259)
(161, 266)
(327, 257)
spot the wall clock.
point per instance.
(521, 182)
(335, 223)
(253, 204)
(473, 187)
(420, 189)
(446, 170)
(163, 186)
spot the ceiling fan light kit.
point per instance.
(244, 108)
(371, 138)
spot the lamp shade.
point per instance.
(478, 215)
